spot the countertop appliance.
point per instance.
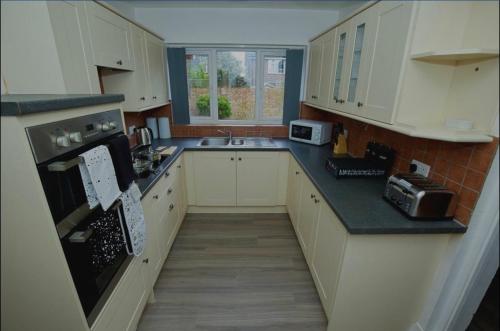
(144, 136)
(377, 162)
(85, 234)
(419, 197)
(311, 132)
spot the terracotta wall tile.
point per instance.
(462, 167)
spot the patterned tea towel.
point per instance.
(98, 177)
(132, 220)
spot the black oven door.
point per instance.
(302, 132)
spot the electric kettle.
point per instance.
(144, 136)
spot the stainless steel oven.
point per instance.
(92, 240)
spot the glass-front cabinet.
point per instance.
(339, 73)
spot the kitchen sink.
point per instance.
(243, 142)
(214, 142)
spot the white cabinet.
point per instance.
(46, 39)
(385, 30)
(110, 37)
(307, 216)
(215, 178)
(327, 252)
(123, 309)
(152, 255)
(257, 178)
(314, 74)
(321, 54)
(294, 188)
(156, 69)
(237, 178)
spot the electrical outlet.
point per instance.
(422, 168)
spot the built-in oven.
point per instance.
(92, 240)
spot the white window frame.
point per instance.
(259, 85)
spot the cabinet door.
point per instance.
(362, 41)
(328, 41)
(327, 252)
(386, 60)
(140, 91)
(257, 178)
(110, 37)
(151, 253)
(308, 214)
(215, 178)
(314, 76)
(293, 191)
(339, 73)
(156, 66)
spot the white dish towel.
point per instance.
(99, 178)
(132, 220)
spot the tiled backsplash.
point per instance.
(462, 167)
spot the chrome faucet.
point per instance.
(228, 132)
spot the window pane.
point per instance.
(198, 84)
(236, 85)
(274, 86)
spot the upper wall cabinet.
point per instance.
(46, 39)
(415, 68)
(156, 69)
(110, 37)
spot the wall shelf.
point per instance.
(429, 132)
(455, 56)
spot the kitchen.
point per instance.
(246, 172)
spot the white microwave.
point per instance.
(311, 132)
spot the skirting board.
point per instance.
(237, 210)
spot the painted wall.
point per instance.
(236, 25)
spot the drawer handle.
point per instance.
(239, 159)
(360, 104)
(232, 159)
(119, 62)
(154, 97)
(143, 98)
(171, 207)
(296, 172)
(156, 196)
(169, 191)
(145, 260)
(313, 196)
(167, 174)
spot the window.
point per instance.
(236, 85)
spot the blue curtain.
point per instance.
(293, 80)
(178, 84)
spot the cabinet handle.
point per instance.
(316, 200)
(314, 97)
(232, 159)
(179, 166)
(145, 260)
(360, 104)
(119, 62)
(171, 207)
(169, 191)
(154, 97)
(156, 196)
(143, 98)
(341, 100)
(239, 159)
(167, 174)
(313, 196)
(296, 172)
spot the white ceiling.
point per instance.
(277, 4)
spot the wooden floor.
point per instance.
(242, 272)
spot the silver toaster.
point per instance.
(418, 196)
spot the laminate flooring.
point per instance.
(235, 272)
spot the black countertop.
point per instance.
(25, 104)
(357, 202)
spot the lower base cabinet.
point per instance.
(375, 282)
(163, 214)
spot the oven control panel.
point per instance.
(53, 139)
